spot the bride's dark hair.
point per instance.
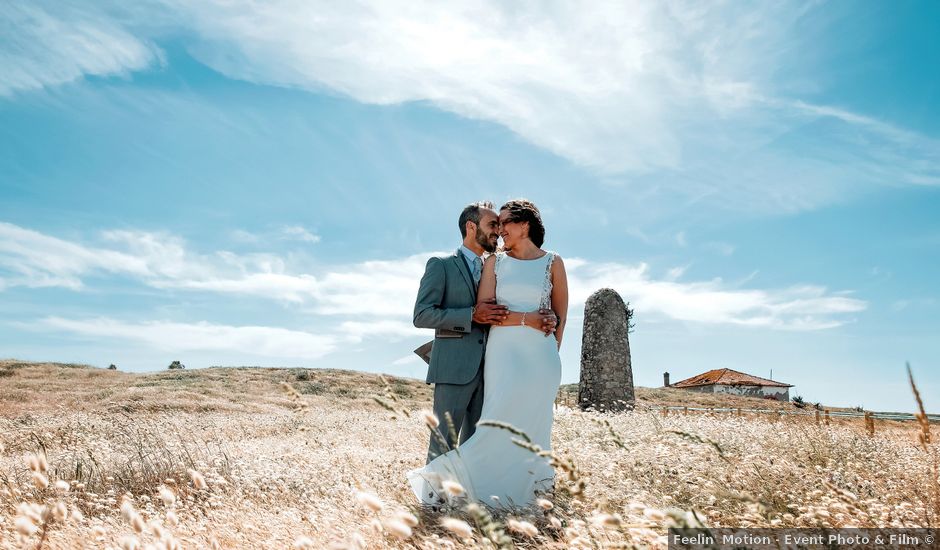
(524, 210)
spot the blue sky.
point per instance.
(260, 184)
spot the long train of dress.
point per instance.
(521, 373)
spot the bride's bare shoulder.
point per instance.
(489, 262)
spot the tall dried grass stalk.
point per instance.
(622, 478)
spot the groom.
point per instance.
(446, 302)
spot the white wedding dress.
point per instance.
(521, 374)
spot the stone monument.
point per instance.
(606, 372)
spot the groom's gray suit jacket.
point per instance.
(445, 297)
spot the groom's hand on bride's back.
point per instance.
(490, 313)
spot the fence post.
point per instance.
(870, 424)
(738, 411)
(827, 417)
(817, 417)
(685, 410)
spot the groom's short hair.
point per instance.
(471, 213)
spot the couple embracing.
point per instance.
(499, 318)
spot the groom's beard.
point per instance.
(486, 242)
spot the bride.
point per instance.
(521, 373)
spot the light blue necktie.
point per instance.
(477, 270)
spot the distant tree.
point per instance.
(176, 365)
(798, 401)
(112, 366)
(630, 324)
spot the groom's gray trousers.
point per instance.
(445, 297)
(463, 403)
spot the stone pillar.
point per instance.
(606, 372)
(665, 379)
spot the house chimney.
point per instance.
(666, 379)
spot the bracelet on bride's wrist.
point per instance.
(523, 319)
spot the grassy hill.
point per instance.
(675, 397)
(252, 457)
(236, 388)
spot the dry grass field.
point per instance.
(269, 458)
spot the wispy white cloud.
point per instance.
(722, 248)
(170, 336)
(675, 88)
(34, 259)
(292, 288)
(242, 236)
(387, 329)
(630, 89)
(378, 295)
(161, 260)
(46, 47)
(299, 233)
(410, 359)
(799, 307)
(377, 288)
(674, 273)
(282, 233)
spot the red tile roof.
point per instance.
(729, 377)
